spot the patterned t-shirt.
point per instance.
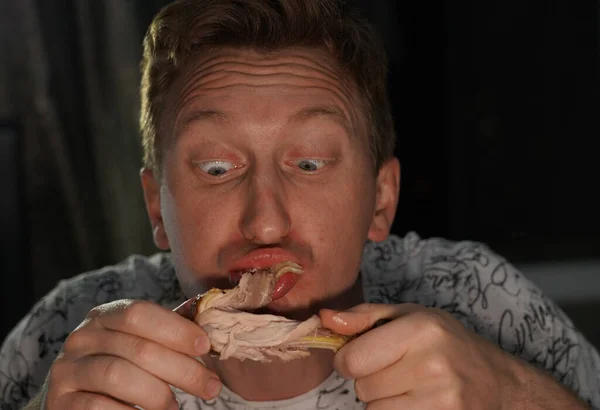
(481, 289)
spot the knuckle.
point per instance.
(144, 351)
(55, 386)
(432, 325)
(115, 306)
(453, 398)
(54, 373)
(76, 341)
(94, 312)
(360, 390)
(132, 313)
(99, 310)
(57, 372)
(438, 366)
(113, 371)
(163, 398)
(354, 363)
(195, 375)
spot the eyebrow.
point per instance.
(333, 112)
(201, 115)
(302, 115)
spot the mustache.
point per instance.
(236, 250)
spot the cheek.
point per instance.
(197, 226)
(343, 212)
(337, 225)
(192, 210)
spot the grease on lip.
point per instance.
(278, 270)
(284, 284)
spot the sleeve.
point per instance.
(490, 296)
(30, 348)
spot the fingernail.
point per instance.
(213, 387)
(202, 345)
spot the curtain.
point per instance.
(70, 78)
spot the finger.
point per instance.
(177, 369)
(388, 382)
(154, 322)
(358, 358)
(405, 402)
(122, 380)
(363, 317)
(87, 400)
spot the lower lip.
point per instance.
(285, 283)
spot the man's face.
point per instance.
(268, 160)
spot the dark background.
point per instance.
(496, 104)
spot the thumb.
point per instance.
(363, 317)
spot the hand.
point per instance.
(128, 353)
(422, 359)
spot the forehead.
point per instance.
(226, 76)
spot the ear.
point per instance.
(388, 189)
(151, 187)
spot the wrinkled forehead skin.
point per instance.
(309, 70)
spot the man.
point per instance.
(268, 137)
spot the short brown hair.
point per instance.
(185, 28)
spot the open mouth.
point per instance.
(284, 276)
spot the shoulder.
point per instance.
(488, 295)
(149, 278)
(31, 347)
(137, 277)
(464, 277)
(411, 260)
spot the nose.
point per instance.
(265, 220)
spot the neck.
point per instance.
(277, 380)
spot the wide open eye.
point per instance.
(310, 165)
(215, 168)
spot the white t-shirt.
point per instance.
(478, 287)
(334, 393)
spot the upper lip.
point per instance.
(262, 258)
